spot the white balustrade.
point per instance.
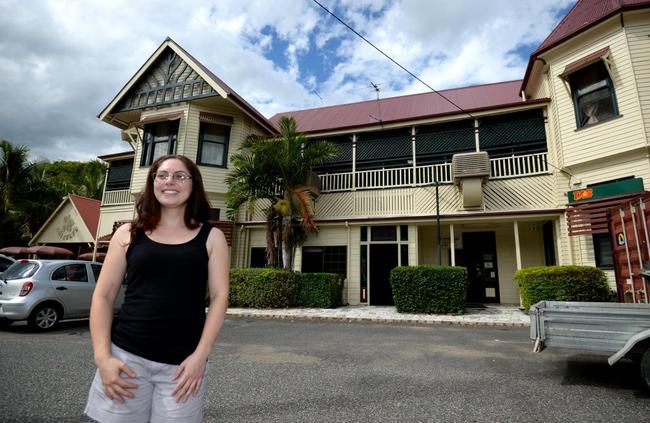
(517, 166)
(112, 198)
(500, 168)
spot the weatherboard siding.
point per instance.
(607, 138)
(638, 38)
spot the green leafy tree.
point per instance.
(280, 170)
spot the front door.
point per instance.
(480, 258)
(383, 259)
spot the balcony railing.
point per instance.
(114, 198)
(500, 168)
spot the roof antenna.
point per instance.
(381, 122)
(317, 95)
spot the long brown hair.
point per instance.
(147, 207)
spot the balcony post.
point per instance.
(354, 162)
(476, 135)
(415, 170)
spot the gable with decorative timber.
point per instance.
(169, 80)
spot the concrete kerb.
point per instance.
(491, 316)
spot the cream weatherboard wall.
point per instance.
(109, 215)
(609, 138)
(637, 28)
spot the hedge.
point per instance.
(562, 283)
(263, 288)
(429, 289)
(320, 290)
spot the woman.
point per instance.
(151, 361)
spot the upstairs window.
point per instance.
(213, 145)
(593, 94)
(159, 139)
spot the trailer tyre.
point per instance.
(645, 368)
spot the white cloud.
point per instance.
(64, 60)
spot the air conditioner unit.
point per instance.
(470, 165)
(470, 171)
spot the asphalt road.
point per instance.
(283, 371)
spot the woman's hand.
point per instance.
(115, 386)
(190, 377)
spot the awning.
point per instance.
(592, 217)
(215, 118)
(584, 62)
(161, 117)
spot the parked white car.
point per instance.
(5, 262)
(44, 292)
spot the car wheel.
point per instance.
(44, 317)
(645, 368)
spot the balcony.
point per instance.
(500, 168)
(118, 197)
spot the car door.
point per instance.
(74, 288)
(119, 299)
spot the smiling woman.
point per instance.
(151, 361)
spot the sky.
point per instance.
(63, 61)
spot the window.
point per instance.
(213, 145)
(119, 175)
(594, 99)
(258, 257)
(325, 259)
(214, 214)
(71, 272)
(159, 139)
(96, 270)
(603, 251)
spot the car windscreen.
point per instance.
(20, 270)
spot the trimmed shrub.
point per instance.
(562, 283)
(320, 290)
(429, 289)
(263, 288)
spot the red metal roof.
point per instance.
(408, 107)
(89, 211)
(583, 15)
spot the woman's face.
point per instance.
(172, 184)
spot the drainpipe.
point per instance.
(452, 244)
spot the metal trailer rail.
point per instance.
(614, 329)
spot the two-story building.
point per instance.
(477, 176)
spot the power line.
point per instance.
(412, 74)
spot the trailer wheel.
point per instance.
(645, 368)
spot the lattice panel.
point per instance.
(170, 79)
(452, 141)
(425, 200)
(535, 192)
(388, 147)
(335, 205)
(512, 133)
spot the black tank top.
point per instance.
(164, 304)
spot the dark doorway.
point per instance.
(383, 259)
(480, 258)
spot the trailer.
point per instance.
(617, 330)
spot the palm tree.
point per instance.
(279, 170)
(15, 176)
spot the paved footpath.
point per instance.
(487, 315)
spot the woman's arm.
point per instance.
(190, 372)
(101, 317)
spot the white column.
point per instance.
(476, 137)
(517, 246)
(452, 244)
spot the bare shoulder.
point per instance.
(216, 240)
(122, 235)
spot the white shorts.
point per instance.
(152, 402)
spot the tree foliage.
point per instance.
(30, 191)
(280, 171)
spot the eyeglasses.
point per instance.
(179, 177)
